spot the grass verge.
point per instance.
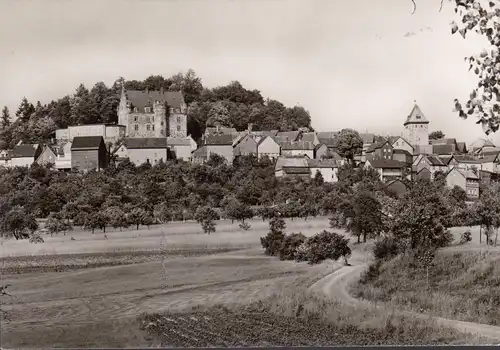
(462, 285)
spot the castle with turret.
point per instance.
(156, 114)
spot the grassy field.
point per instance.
(462, 285)
(102, 286)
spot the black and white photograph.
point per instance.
(249, 173)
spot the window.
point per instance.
(161, 123)
(178, 119)
(153, 127)
(148, 127)
(418, 116)
(153, 119)
(162, 132)
(136, 127)
(147, 109)
(178, 128)
(135, 119)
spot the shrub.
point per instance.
(36, 238)
(289, 245)
(302, 252)
(245, 226)
(385, 249)
(327, 245)
(272, 242)
(465, 237)
(444, 239)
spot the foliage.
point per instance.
(274, 238)
(385, 249)
(245, 226)
(324, 245)
(5, 120)
(436, 135)
(465, 237)
(487, 210)
(289, 245)
(56, 223)
(18, 223)
(206, 216)
(349, 144)
(36, 238)
(420, 217)
(482, 18)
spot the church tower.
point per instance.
(417, 128)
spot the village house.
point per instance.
(25, 154)
(446, 146)
(246, 146)
(292, 167)
(109, 132)
(422, 174)
(328, 168)
(63, 156)
(268, 147)
(488, 163)
(297, 148)
(144, 150)
(466, 180)
(88, 153)
(215, 144)
(388, 169)
(310, 137)
(48, 156)
(402, 155)
(481, 145)
(179, 148)
(379, 150)
(399, 143)
(433, 163)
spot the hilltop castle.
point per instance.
(153, 113)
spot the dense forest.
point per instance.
(231, 105)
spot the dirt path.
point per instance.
(336, 286)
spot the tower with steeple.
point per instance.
(417, 128)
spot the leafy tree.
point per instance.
(420, 218)
(488, 212)
(274, 238)
(326, 245)
(96, 219)
(289, 246)
(5, 119)
(137, 217)
(458, 196)
(483, 103)
(18, 223)
(25, 110)
(116, 217)
(56, 223)
(267, 212)
(218, 115)
(364, 215)
(206, 216)
(349, 144)
(318, 178)
(162, 212)
(436, 135)
(440, 178)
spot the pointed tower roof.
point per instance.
(416, 116)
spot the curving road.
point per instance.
(335, 286)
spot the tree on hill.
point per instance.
(206, 216)
(25, 110)
(481, 17)
(349, 144)
(324, 245)
(56, 223)
(18, 223)
(5, 119)
(364, 215)
(488, 212)
(436, 135)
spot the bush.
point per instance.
(245, 226)
(272, 242)
(289, 245)
(36, 238)
(444, 239)
(327, 245)
(385, 249)
(302, 252)
(465, 237)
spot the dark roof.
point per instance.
(24, 150)
(219, 140)
(147, 142)
(329, 142)
(375, 146)
(449, 141)
(403, 151)
(178, 141)
(461, 146)
(309, 136)
(322, 163)
(443, 149)
(288, 135)
(386, 163)
(201, 152)
(416, 116)
(435, 161)
(86, 142)
(294, 170)
(446, 159)
(297, 145)
(141, 99)
(221, 130)
(327, 134)
(265, 137)
(392, 182)
(367, 138)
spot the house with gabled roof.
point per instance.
(402, 155)
(480, 145)
(422, 174)
(25, 154)
(48, 156)
(288, 136)
(433, 163)
(292, 166)
(379, 150)
(267, 146)
(388, 169)
(144, 150)
(310, 137)
(486, 163)
(246, 146)
(89, 152)
(221, 145)
(466, 180)
(328, 168)
(398, 142)
(179, 148)
(297, 148)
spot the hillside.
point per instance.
(231, 105)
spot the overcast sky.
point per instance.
(358, 64)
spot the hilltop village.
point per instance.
(152, 127)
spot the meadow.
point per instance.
(106, 292)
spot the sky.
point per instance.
(352, 64)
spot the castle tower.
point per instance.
(160, 119)
(417, 128)
(177, 120)
(123, 110)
